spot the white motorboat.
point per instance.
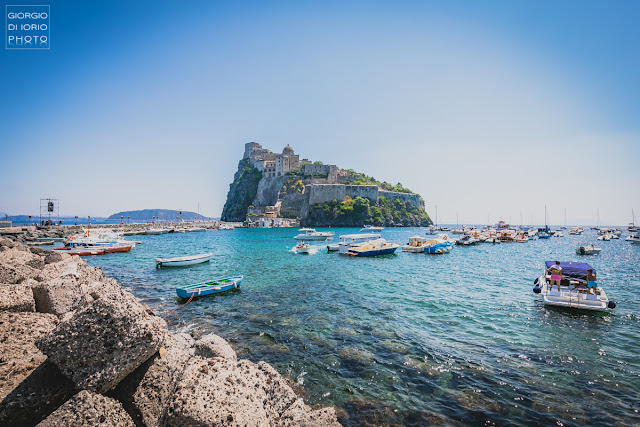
(587, 249)
(349, 241)
(415, 245)
(573, 292)
(431, 230)
(312, 234)
(604, 237)
(633, 238)
(303, 248)
(467, 240)
(372, 228)
(183, 261)
(373, 248)
(333, 247)
(155, 231)
(576, 230)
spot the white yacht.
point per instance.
(371, 228)
(312, 234)
(587, 249)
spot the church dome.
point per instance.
(287, 150)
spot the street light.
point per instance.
(121, 216)
(29, 220)
(128, 220)
(76, 217)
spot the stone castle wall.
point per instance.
(414, 199)
(323, 193)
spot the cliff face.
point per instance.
(359, 211)
(242, 192)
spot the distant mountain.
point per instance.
(159, 214)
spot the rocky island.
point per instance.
(77, 349)
(271, 185)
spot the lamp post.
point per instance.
(121, 216)
(29, 220)
(76, 218)
(128, 220)
(88, 225)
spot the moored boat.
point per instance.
(82, 251)
(348, 241)
(415, 245)
(587, 249)
(183, 261)
(208, 288)
(372, 228)
(573, 292)
(373, 248)
(312, 234)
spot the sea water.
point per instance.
(411, 339)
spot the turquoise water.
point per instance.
(411, 339)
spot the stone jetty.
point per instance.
(76, 349)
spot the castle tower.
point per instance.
(250, 147)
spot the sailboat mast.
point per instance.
(436, 215)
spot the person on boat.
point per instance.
(591, 281)
(556, 275)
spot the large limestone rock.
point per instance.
(60, 296)
(101, 344)
(89, 409)
(18, 354)
(301, 415)
(36, 397)
(219, 391)
(211, 345)
(18, 297)
(146, 392)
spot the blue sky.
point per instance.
(488, 109)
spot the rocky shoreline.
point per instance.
(77, 349)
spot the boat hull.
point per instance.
(181, 262)
(574, 299)
(209, 288)
(372, 252)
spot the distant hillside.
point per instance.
(159, 214)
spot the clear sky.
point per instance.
(489, 109)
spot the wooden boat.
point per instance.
(82, 251)
(183, 261)
(119, 247)
(207, 288)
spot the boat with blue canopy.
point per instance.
(573, 292)
(208, 288)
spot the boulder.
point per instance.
(19, 255)
(211, 345)
(52, 257)
(36, 397)
(59, 296)
(219, 391)
(301, 415)
(18, 297)
(18, 354)
(99, 345)
(17, 273)
(146, 392)
(89, 409)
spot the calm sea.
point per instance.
(411, 339)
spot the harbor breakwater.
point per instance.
(77, 349)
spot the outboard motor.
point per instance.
(581, 250)
(611, 304)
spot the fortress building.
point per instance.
(271, 164)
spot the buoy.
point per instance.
(611, 304)
(537, 290)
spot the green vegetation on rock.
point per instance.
(359, 211)
(356, 178)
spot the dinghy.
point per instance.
(208, 288)
(183, 261)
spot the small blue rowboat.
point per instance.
(207, 288)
